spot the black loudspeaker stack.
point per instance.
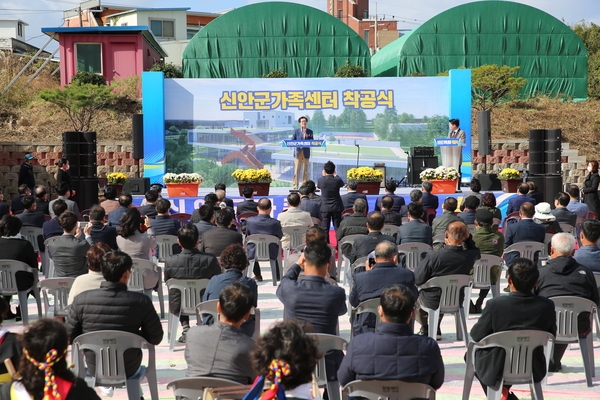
(137, 127)
(484, 129)
(420, 159)
(544, 162)
(80, 149)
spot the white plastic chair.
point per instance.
(341, 257)
(8, 285)
(48, 265)
(412, 253)
(388, 390)
(296, 237)
(359, 264)
(327, 343)
(439, 239)
(567, 228)
(482, 275)
(109, 347)
(31, 233)
(519, 346)
(450, 286)
(59, 288)
(527, 249)
(191, 295)
(568, 309)
(209, 307)
(261, 253)
(390, 230)
(193, 388)
(136, 281)
(165, 246)
(367, 306)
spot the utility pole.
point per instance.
(376, 46)
(80, 17)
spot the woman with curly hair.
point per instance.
(286, 356)
(133, 238)
(43, 369)
(234, 261)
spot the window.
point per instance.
(192, 31)
(367, 36)
(365, 14)
(340, 14)
(20, 29)
(162, 28)
(89, 57)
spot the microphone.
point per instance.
(356, 144)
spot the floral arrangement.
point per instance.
(252, 175)
(118, 178)
(509, 173)
(440, 174)
(364, 174)
(183, 178)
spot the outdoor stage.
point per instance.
(278, 196)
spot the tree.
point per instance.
(331, 120)
(317, 123)
(590, 35)
(381, 126)
(437, 126)
(350, 70)
(492, 83)
(406, 118)
(169, 69)
(179, 153)
(276, 73)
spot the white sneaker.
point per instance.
(107, 391)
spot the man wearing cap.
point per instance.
(26, 176)
(489, 241)
(301, 154)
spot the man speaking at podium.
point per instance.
(301, 154)
(457, 133)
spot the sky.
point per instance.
(409, 13)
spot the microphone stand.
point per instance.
(357, 153)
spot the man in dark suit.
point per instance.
(408, 357)
(390, 190)
(468, 215)
(16, 204)
(523, 231)
(308, 205)
(163, 224)
(29, 216)
(41, 200)
(514, 203)
(221, 186)
(264, 224)
(69, 251)
(331, 201)
(206, 221)
(52, 228)
(364, 245)
(214, 241)
(457, 257)
(301, 154)
(349, 198)
(562, 214)
(415, 230)
(149, 209)
(564, 276)
(125, 201)
(429, 200)
(390, 216)
(312, 191)
(521, 309)
(370, 283)
(248, 205)
(353, 224)
(102, 233)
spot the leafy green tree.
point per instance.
(590, 35)
(493, 83)
(406, 118)
(381, 126)
(437, 126)
(350, 70)
(331, 120)
(276, 73)
(317, 123)
(179, 153)
(169, 69)
(332, 139)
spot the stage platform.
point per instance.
(278, 196)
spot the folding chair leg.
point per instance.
(469, 375)
(588, 362)
(458, 324)
(333, 390)
(161, 300)
(433, 318)
(152, 383)
(134, 388)
(23, 305)
(38, 300)
(173, 329)
(494, 393)
(463, 326)
(274, 268)
(536, 391)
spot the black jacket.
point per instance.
(104, 233)
(331, 201)
(148, 210)
(113, 307)
(353, 224)
(20, 250)
(32, 218)
(364, 245)
(26, 176)
(247, 206)
(42, 206)
(398, 202)
(349, 198)
(392, 217)
(311, 206)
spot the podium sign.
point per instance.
(288, 143)
(451, 149)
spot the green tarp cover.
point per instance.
(251, 41)
(552, 57)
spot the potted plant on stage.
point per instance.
(443, 179)
(116, 180)
(369, 179)
(182, 185)
(510, 179)
(259, 179)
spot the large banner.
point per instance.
(214, 126)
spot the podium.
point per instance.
(451, 150)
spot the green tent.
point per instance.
(251, 41)
(552, 57)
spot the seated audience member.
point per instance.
(123, 311)
(471, 204)
(364, 245)
(562, 214)
(429, 200)
(408, 357)
(133, 238)
(191, 263)
(69, 250)
(521, 309)
(221, 203)
(216, 240)
(93, 278)
(43, 369)
(588, 253)
(489, 241)
(64, 192)
(390, 217)
(16, 204)
(222, 350)
(370, 283)
(29, 216)
(314, 233)
(534, 194)
(264, 224)
(390, 190)
(285, 347)
(415, 197)
(149, 208)
(206, 219)
(102, 232)
(440, 224)
(4, 208)
(349, 198)
(163, 224)
(228, 202)
(114, 217)
(488, 201)
(41, 200)
(13, 247)
(10, 348)
(415, 230)
(457, 257)
(353, 224)
(294, 216)
(523, 231)
(234, 261)
(475, 187)
(312, 190)
(52, 228)
(543, 216)
(110, 204)
(563, 276)
(515, 203)
(308, 205)
(581, 209)
(248, 205)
